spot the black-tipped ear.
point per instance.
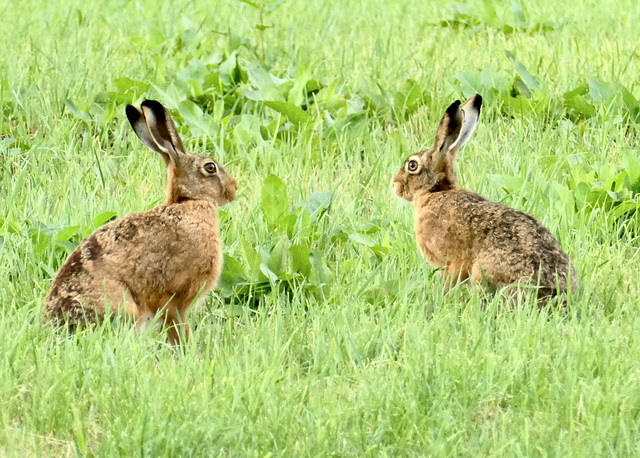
(477, 102)
(161, 125)
(449, 128)
(453, 109)
(133, 114)
(471, 114)
(156, 107)
(139, 124)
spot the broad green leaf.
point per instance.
(317, 204)
(328, 99)
(196, 87)
(250, 256)
(298, 92)
(190, 111)
(300, 259)
(125, 85)
(580, 90)
(218, 111)
(154, 37)
(171, 96)
(288, 223)
(458, 9)
(471, 83)
(362, 239)
(531, 82)
(628, 209)
(213, 82)
(564, 199)
(294, 114)
(509, 183)
(578, 107)
(491, 16)
(268, 273)
(274, 200)
(351, 121)
(227, 68)
(76, 111)
(302, 228)
(519, 15)
(600, 91)
(321, 274)
(250, 124)
(103, 218)
(520, 87)
(266, 83)
(195, 70)
(379, 250)
(12, 226)
(413, 96)
(631, 164)
(629, 100)
(494, 80)
(66, 233)
(39, 240)
(66, 246)
(233, 271)
(194, 115)
(278, 257)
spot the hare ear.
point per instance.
(449, 128)
(137, 120)
(162, 129)
(161, 125)
(456, 127)
(471, 113)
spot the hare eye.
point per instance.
(412, 165)
(210, 167)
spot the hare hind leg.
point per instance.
(479, 277)
(454, 274)
(514, 291)
(119, 296)
(177, 327)
(117, 299)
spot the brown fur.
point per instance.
(471, 237)
(154, 262)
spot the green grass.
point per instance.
(385, 363)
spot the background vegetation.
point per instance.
(328, 333)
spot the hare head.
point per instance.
(433, 170)
(190, 176)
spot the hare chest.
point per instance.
(442, 232)
(193, 261)
(181, 256)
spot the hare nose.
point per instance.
(230, 191)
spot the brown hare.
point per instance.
(152, 263)
(469, 236)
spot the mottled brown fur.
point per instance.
(469, 236)
(153, 263)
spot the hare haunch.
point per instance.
(154, 262)
(469, 236)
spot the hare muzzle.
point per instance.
(230, 191)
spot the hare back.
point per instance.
(147, 259)
(496, 243)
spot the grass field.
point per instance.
(356, 349)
